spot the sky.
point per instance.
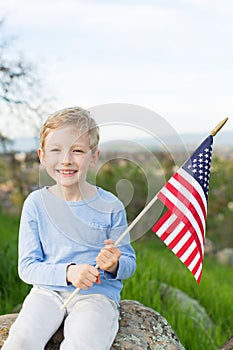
(173, 57)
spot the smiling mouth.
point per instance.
(67, 172)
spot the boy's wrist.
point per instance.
(68, 273)
(113, 270)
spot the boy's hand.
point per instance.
(108, 257)
(82, 276)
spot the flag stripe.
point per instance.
(186, 202)
(171, 230)
(198, 274)
(196, 267)
(190, 255)
(198, 236)
(193, 187)
(167, 232)
(194, 262)
(163, 223)
(194, 198)
(176, 204)
(177, 237)
(187, 241)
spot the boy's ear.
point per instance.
(41, 155)
(95, 158)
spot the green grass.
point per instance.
(12, 290)
(155, 265)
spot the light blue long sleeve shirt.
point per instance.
(55, 233)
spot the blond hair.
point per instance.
(78, 117)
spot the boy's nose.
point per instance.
(67, 158)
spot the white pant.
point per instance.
(91, 322)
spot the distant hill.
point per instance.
(189, 141)
(224, 138)
(25, 144)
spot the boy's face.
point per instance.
(67, 156)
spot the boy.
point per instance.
(65, 230)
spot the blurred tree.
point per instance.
(20, 87)
(4, 142)
(220, 203)
(22, 106)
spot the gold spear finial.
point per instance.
(218, 127)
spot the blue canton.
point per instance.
(199, 164)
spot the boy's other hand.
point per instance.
(108, 257)
(82, 276)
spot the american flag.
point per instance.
(182, 227)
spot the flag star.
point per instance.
(200, 154)
(200, 166)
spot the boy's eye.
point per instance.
(55, 150)
(78, 150)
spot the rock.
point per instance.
(140, 328)
(228, 345)
(210, 248)
(5, 323)
(144, 328)
(183, 303)
(225, 256)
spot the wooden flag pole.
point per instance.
(139, 216)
